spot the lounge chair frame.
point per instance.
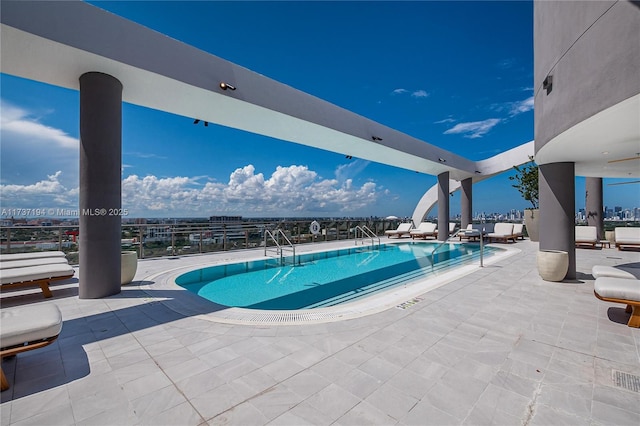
(23, 347)
(42, 283)
(633, 307)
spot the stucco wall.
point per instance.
(592, 49)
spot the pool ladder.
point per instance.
(279, 248)
(365, 234)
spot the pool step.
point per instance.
(395, 281)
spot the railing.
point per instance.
(365, 233)
(455, 234)
(279, 248)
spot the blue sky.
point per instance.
(458, 75)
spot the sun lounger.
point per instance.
(502, 231)
(424, 230)
(621, 290)
(586, 235)
(599, 271)
(518, 229)
(9, 264)
(627, 237)
(27, 328)
(27, 256)
(403, 229)
(40, 275)
(469, 233)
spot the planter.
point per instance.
(553, 264)
(610, 236)
(128, 267)
(531, 217)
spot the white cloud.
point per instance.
(445, 120)
(520, 107)
(44, 194)
(351, 169)
(474, 129)
(16, 121)
(291, 190)
(420, 94)
(399, 91)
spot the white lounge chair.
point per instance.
(27, 256)
(27, 328)
(620, 290)
(586, 235)
(403, 229)
(627, 237)
(424, 230)
(502, 231)
(469, 233)
(9, 264)
(518, 229)
(37, 275)
(599, 271)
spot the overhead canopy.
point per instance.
(57, 42)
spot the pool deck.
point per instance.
(498, 346)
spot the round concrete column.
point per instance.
(443, 206)
(466, 202)
(100, 185)
(557, 210)
(594, 204)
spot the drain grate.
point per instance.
(409, 303)
(626, 381)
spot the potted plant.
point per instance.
(526, 182)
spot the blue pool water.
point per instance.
(323, 279)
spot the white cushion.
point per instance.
(609, 271)
(517, 228)
(30, 273)
(502, 229)
(586, 234)
(627, 235)
(31, 262)
(37, 255)
(424, 227)
(618, 288)
(29, 323)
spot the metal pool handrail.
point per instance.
(279, 248)
(365, 231)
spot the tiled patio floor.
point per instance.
(500, 346)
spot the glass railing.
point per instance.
(170, 239)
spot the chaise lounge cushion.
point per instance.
(29, 324)
(586, 235)
(36, 255)
(627, 236)
(32, 273)
(9, 264)
(618, 288)
(599, 271)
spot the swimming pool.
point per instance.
(324, 279)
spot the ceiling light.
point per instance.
(196, 121)
(225, 86)
(442, 160)
(375, 138)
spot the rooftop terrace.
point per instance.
(498, 346)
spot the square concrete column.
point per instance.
(557, 210)
(443, 206)
(466, 202)
(594, 204)
(100, 185)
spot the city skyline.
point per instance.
(417, 72)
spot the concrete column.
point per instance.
(557, 210)
(466, 202)
(100, 185)
(594, 204)
(443, 206)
